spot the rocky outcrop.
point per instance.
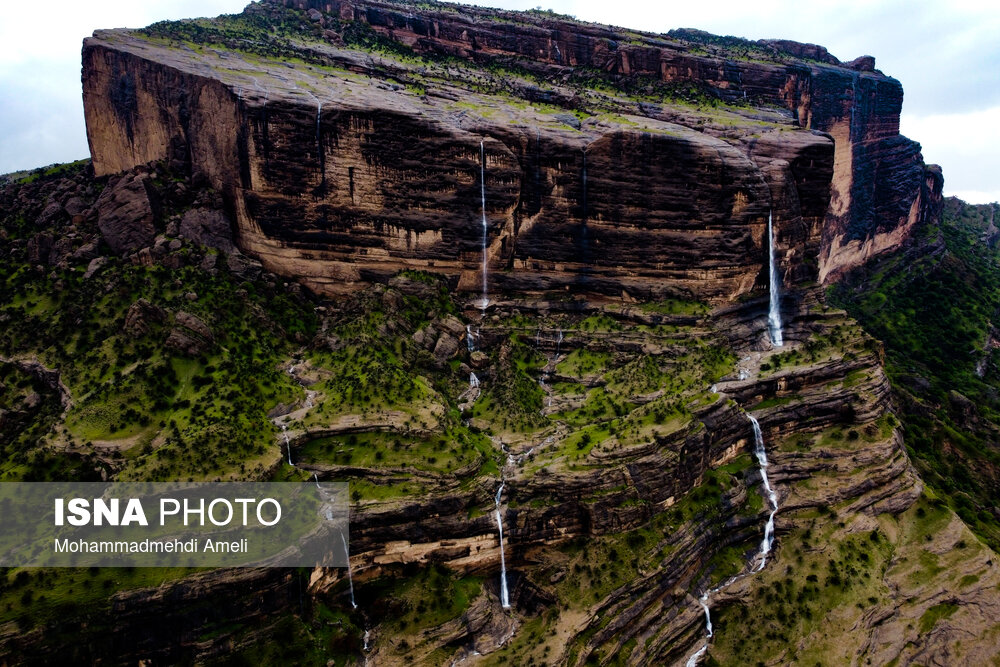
(125, 215)
(209, 227)
(190, 335)
(142, 316)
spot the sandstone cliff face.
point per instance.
(348, 168)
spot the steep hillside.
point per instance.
(934, 305)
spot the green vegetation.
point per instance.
(53, 170)
(805, 599)
(445, 452)
(161, 414)
(32, 596)
(419, 599)
(934, 305)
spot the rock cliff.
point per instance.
(354, 144)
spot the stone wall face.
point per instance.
(347, 185)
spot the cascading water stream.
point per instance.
(319, 115)
(696, 656)
(350, 574)
(288, 444)
(473, 381)
(470, 342)
(765, 545)
(549, 367)
(774, 309)
(504, 595)
(761, 454)
(482, 195)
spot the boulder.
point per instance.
(39, 247)
(244, 267)
(86, 252)
(190, 335)
(125, 215)
(52, 214)
(75, 206)
(208, 227)
(61, 249)
(452, 325)
(479, 360)
(446, 347)
(141, 316)
(95, 265)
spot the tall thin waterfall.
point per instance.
(288, 444)
(504, 595)
(696, 656)
(319, 143)
(482, 195)
(761, 454)
(319, 115)
(350, 575)
(765, 545)
(774, 311)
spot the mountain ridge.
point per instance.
(555, 328)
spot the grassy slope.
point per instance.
(934, 311)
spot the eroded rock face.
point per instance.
(190, 335)
(364, 177)
(208, 227)
(142, 316)
(125, 215)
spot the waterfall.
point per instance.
(550, 365)
(316, 479)
(703, 601)
(319, 114)
(696, 656)
(482, 194)
(765, 545)
(693, 660)
(264, 126)
(288, 444)
(761, 454)
(350, 575)
(473, 381)
(774, 310)
(504, 596)
(470, 342)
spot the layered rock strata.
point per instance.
(347, 168)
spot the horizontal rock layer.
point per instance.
(338, 178)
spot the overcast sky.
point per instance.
(947, 55)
